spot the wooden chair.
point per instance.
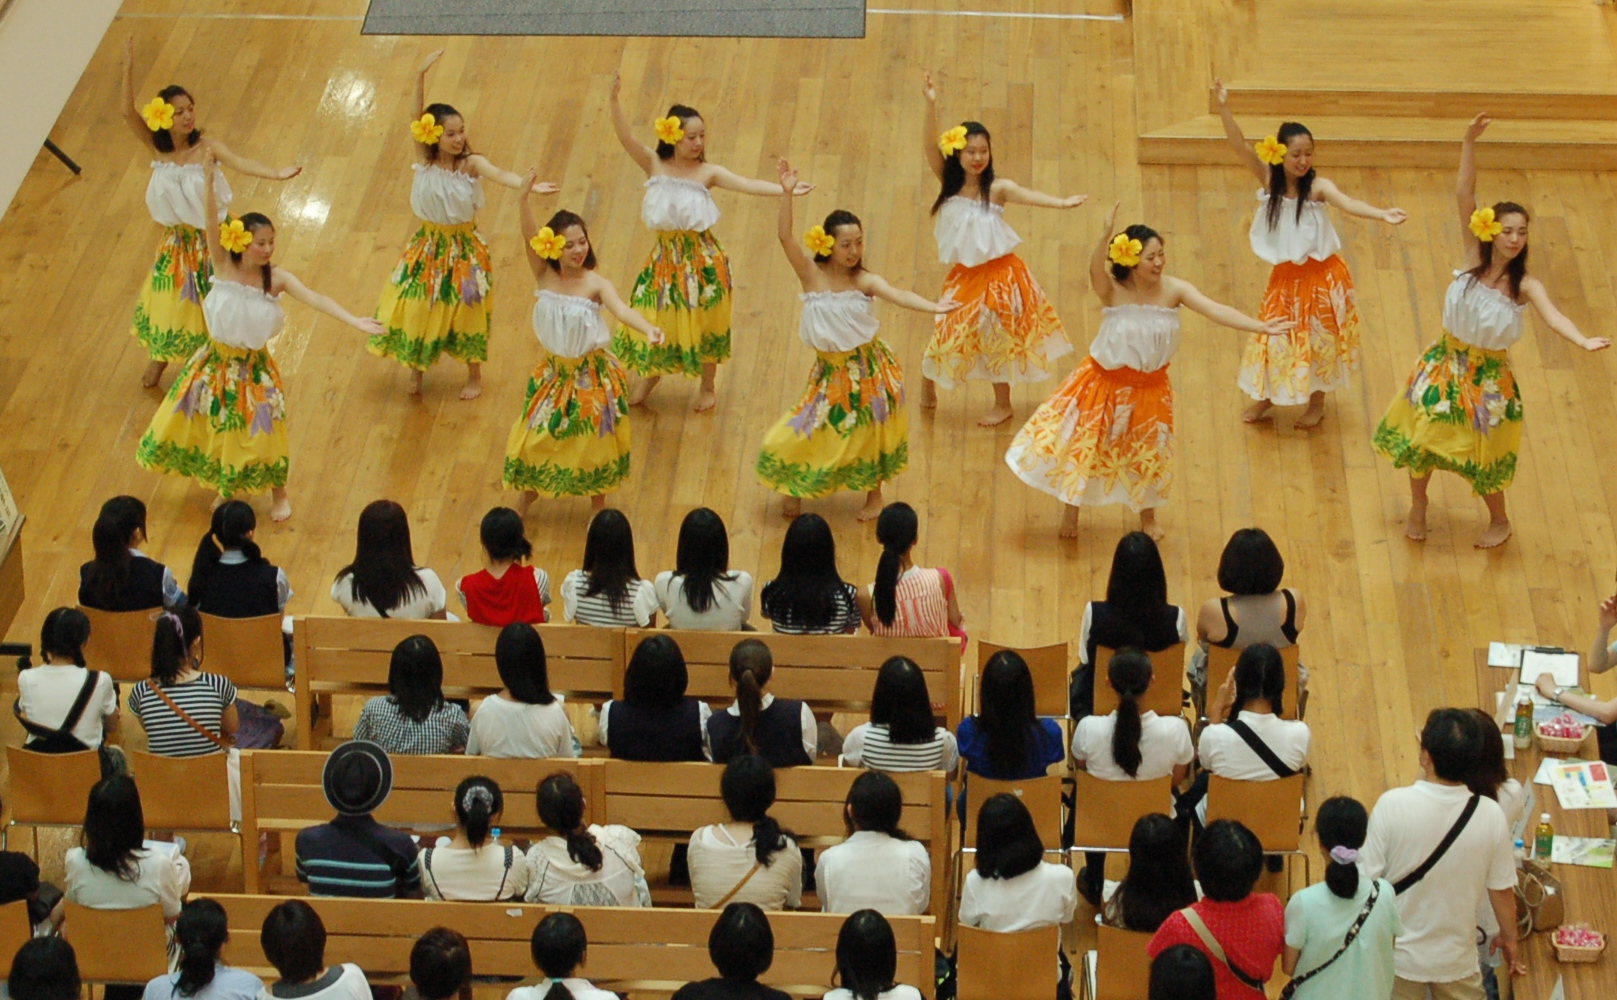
(249, 651)
(1106, 811)
(1221, 661)
(1165, 696)
(1270, 809)
(1118, 968)
(118, 946)
(995, 966)
(1047, 664)
(49, 789)
(15, 931)
(120, 643)
(183, 793)
(1042, 796)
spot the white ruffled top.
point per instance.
(1140, 337)
(672, 204)
(837, 321)
(174, 195)
(1293, 240)
(971, 232)
(444, 197)
(242, 316)
(1481, 316)
(570, 326)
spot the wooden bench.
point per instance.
(644, 950)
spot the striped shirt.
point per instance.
(639, 607)
(788, 619)
(335, 862)
(870, 745)
(204, 699)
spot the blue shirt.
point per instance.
(1317, 921)
(336, 863)
(1045, 748)
(228, 984)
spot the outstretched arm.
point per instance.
(530, 225)
(421, 82)
(1100, 274)
(505, 178)
(729, 180)
(638, 151)
(1190, 296)
(243, 165)
(1556, 320)
(131, 114)
(783, 225)
(1332, 195)
(1465, 185)
(1601, 658)
(878, 286)
(210, 205)
(929, 133)
(614, 304)
(1015, 192)
(1243, 149)
(314, 300)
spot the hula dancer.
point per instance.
(1310, 285)
(223, 421)
(1006, 330)
(685, 286)
(573, 436)
(1461, 409)
(1106, 436)
(168, 315)
(849, 431)
(437, 300)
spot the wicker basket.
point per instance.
(1565, 953)
(1562, 744)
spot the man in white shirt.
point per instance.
(1437, 950)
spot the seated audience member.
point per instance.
(506, 590)
(1257, 609)
(1248, 928)
(582, 864)
(1012, 887)
(808, 596)
(879, 866)
(117, 868)
(1136, 614)
(654, 720)
(354, 855)
(702, 591)
(474, 866)
(199, 936)
(294, 940)
(1322, 961)
(1182, 973)
(45, 968)
(1005, 740)
(742, 948)
(47, 693)
(1158, 880)
(1602, 657)
(121, 577)
(749, 859)
(906, 599)
(867, 961)
(1247, 739)
(607, 591)
(230, 578)
(383, 581)
(414, 718)
(185, 712)
(780, 730)
(524, 718)
(901, 734)
(19, 880)
(558, 946)
(440, 965)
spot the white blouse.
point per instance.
(837, 321)
(718, 863)
(674, 204)
(570, 326)
(242, 316)
(473, 874)
(730, 610)
(444, 197)
(417, 605)
(556, 879)
(175, 194)
(1140, 337)
(871, 869)
(971, 232)
(1044, 896)
(1290, 239)
(1481, 316)
(502, 728)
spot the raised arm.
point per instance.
(613, 303)
(1601, 658)
(210, 206)
(1534, 291)
(314, 300)
(530, 225)
(878, 286)
(1020, 195)
(1332, 195)
(638, 151)
(729, 180)
(243, 165)
(421, 83)
(1100, 273)
(1188, 295)
(506, 178)
(131, 112)
(929, 128)
(1243, 149)
(800, 261)
(1465, 185)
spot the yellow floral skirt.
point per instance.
(437, 300)
(849, 431)
(222, 423)
(1322, 351)
(168, 315)
(685, 291)
(1004, 331)
(1104, 437)
(1460, 411)
(573, 436)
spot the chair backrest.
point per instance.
(1221, 661)
(1042, 796)
(1107, 810)
(995, 966)
(249, 651)
(117, 946)
(1123, 969)
(120, 643)
(15, 930)
(50, 789)
(182, 793)
(1165, 696)
(1272, 810)
(1047, 664)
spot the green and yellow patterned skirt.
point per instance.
(437, 300)
(573, 436)
(685, 291)
(168, 316)
(222, 423)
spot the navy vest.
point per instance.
(243, 590)
(779, 735)
(638, 732)
(142, 589)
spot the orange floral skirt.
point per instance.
(1322, 351)
(1004, 331)
(1104, 437)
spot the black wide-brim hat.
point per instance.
(357, 778)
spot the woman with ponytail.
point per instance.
(121, 577)
(200, 935)
(780, 730)
(1319, 917)
(47, 692)
(582, 863)
(558, 947)
(906, 599)
(185, 712)
(230, 578)
(750, 859)
(472, 865)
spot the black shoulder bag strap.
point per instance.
(73, 714)
(397, 863)
(1442, 848)
(1260, 748)
(1347, 942)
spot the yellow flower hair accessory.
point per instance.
(1270, 151)
(1124, 250)
(953, 140)
(548, 244)
(819, 241)
(234, 236)
(159, 114)
(670, 129)
(426, 129)
(1484, 226)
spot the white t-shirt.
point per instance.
(350, 984)
(1045, 896)
(871, 869)
(581, 989)
(502, 728)
(1223, 752)
(1164, 745)
(731, 608)
(161, 876)
(639, 609)
(416, 606)
(1438, 944)
(899, 992)
(718, 862)
(477, 875)
(45, 694)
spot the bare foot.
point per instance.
(1314, 414)
(792, 508)
(153, 372)
(525, 501)
(642, 389)
(1069, 521)
(417, 376)
(929, 394)
(1495, 536)
(1148, 524)
(1258, 411)
(993, 418)
(282, 508)
(474, 382)
(873, 505)
(706, 399)
(598, 502)
(1415, 525)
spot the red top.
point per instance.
(518, 596)
(1251, 932)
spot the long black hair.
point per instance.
(867, 955)
(609, 558)
(1007, 715)
(232, 522)
(1008, 843)
(558, 946)
(807, 586)
(1138, 586)
(439, 111)
(415, 678)
(113, 536)
(834, 221)
(200, 934)
(896, 530)
(176, 632)
(901, 703)
(1159, 880)
(1277, 175)
(253, 222)
(561, 807)
(1260, 675)
(64, 634)
(1342, 822)
(875, 803)
(954, 174)
(519, 655)
(114, 827)
(383, 569)
(702, 558)
(1516, 270)
(656, 676)
(477, 801)
(748, 790)
(684, 112)
(1129, 673)
(163, 138)
(1121, 273)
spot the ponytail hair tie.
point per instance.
(1344, 855)
(179, 629)
(477, 794)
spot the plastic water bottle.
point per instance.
(1521, 849)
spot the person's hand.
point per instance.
(1275, 328)
(1221, 92)
(431, 58)
(1546, 685)
(946, 305)
(1596, 343)
(1478, 125)
(209, 161)
(544, 187)
(656, 335)
(1394, 216)
(370, 327)
(1507, 948)
(287, 173)
(1074, 201)
(1608, 613)
(528, 180)
(801, 188)
(617, 83)
(1111, 218)
(1223, 699)
(788, 176)
(928, 91)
